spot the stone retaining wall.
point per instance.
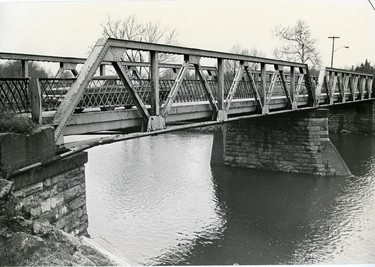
(58, 194)
(54, 192)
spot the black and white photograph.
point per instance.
(187, 133)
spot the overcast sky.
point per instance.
(69, 28)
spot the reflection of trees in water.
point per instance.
(356, 150)
(274, 218)
(265, 217)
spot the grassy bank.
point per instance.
(13, 123)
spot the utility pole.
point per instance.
(333, 47)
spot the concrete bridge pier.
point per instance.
(294, 142)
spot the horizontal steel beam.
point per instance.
(133, 45)
(347, 72)
(93, 121)
(74, 60)
(179, 50)
(44, 58)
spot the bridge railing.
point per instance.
(14, 94)
(340, 86)
(109, 92)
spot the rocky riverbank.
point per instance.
(25, 242)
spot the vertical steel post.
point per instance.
(24, 68)
(220, 83)
(102, 70)
(36, 101)
(292, 87)
(263, 90)
(155, 107)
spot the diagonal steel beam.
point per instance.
(66, 109)
(354, 86)
(362, 83)
(326, 85)
(345, 85)
(176, 86)
(269, 92)
(331, 86)
(253, 87)
(311, 93)
(370, 84)
(350, 86)
(234, 86)
(340, 82)
(129, 85)
(299, 87)
(283, 84)
(207, 89)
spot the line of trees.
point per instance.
(366, 67)
(13, 69)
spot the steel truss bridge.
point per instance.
(150, 104)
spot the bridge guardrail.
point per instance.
(14, 94)
(107, 93)
(340, 86)
(110, 92)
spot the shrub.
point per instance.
(13, 123)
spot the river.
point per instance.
(157, 201)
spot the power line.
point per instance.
(371, 5)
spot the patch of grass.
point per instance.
(7, 211)
(11, 123)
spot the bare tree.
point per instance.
(231, 67)
(130, 28)
(297, 44)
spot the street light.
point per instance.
(333, 47)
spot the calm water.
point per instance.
(157, 201)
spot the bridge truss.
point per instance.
(288, 84)
(113, 50)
